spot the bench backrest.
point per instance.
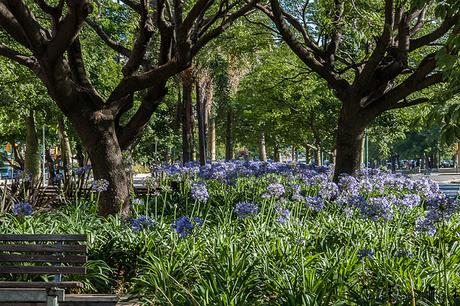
(42, 254)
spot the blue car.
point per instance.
(7, 172)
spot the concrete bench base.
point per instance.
(75, 300)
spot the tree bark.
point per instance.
(212, 139)
(32, 155)
(307, 154)
(201, 114)
(318, 156)
(349, 141)
(262, 148)
(229, 135)
(276, 153)
(187, 113)
(66, 152)
(100, 139)
(80, 156)
(293, 153)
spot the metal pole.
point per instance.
(44, 158)
(12, 160)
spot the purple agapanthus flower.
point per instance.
(440, 208)
(199, 192)
(274, 190)
(246, 209)
(81, 170)
(141, 223)
(410, 201)
(378, 208)
(22, 209)
(316, 203)
(366, 253)
(139, 202)
(198, 221)
(100, 185)
(329, 190)
(283, 215)
(183, 226)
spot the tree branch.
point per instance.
(420, 79)
(334, 81)
(380, 49)
(337, 35)
(226, 22)
(28, 61)
(68, 29)
(118, 47)
(146, 28)
(135, 6)
(153, 77)
(405, 103)
(128, 134)
(448, 23)
(11, 26)
(34, 32)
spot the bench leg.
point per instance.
(52, 300)
(53, 297)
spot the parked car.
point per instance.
(447, 163)
(5, 172)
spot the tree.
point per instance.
(48, 39)
(283, 103)
(369, 74)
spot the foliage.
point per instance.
(367, 245)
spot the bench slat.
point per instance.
(42, 258)
(41, 270)
(41, 285)
(43, 248)
(41, 237)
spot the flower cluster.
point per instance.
(246, 209)
(316, 203)
(81, 170)
(440, 209)
(283, 215)
(58, 177)
(274, 190)
(142, 223)
(184, 226)
(100, 185)
(139, 202)
(366, 253)
(199, 192)
(378, 208)
(22, 209)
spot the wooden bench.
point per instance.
(55, 255)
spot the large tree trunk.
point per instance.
(100, 139)
(66, 152)
(293, 153)
(187, 113)
(212, 139)
(318, 156)
(262, 148)
(349, 141)
(307, 154)
(201, 114)
(32, 155)
(229, 135)
(276, 153)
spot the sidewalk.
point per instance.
(444, 176)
